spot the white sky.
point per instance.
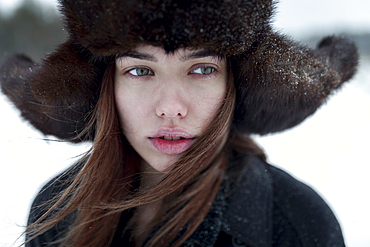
(295, 17)
(10, 5)
(301, 16)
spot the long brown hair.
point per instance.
(102, 189)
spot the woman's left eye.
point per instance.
(203, 70)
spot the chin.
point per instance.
(163, 164)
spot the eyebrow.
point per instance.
(193, 55)
(138, 55)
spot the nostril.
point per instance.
(173, 109)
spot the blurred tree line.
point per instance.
(31, 31)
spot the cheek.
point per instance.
(129, 110)
(209, 103)
(206, 111)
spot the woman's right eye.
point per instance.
(140, 72)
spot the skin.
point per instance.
(156, 91)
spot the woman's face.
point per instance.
(166, 101)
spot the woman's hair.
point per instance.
(104, 187)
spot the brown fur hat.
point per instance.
(279, 83)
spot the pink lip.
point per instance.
(171, 147)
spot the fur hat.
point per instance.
(279, 83)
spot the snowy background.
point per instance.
(329, 151)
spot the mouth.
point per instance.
(172, 138)
(171, 141)
(171, 145)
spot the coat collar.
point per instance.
(245, 213)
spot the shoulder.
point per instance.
(278, 210)
(43, 201)
(299, 208)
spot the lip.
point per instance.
(171, 147)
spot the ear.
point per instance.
(56, 95)
(281, 83)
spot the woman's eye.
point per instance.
(203, 70)
(140, 72)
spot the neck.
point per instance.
(146, 213)
(149, 176)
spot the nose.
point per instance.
(171, 103)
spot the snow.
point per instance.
(27, 162)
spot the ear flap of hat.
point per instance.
(55, 96)
(281, 83)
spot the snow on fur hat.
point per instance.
(279, 83)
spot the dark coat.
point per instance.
(267, 208)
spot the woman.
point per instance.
(168, 92)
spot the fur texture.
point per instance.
(112, 27)
(55, 96)
(279, 83)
